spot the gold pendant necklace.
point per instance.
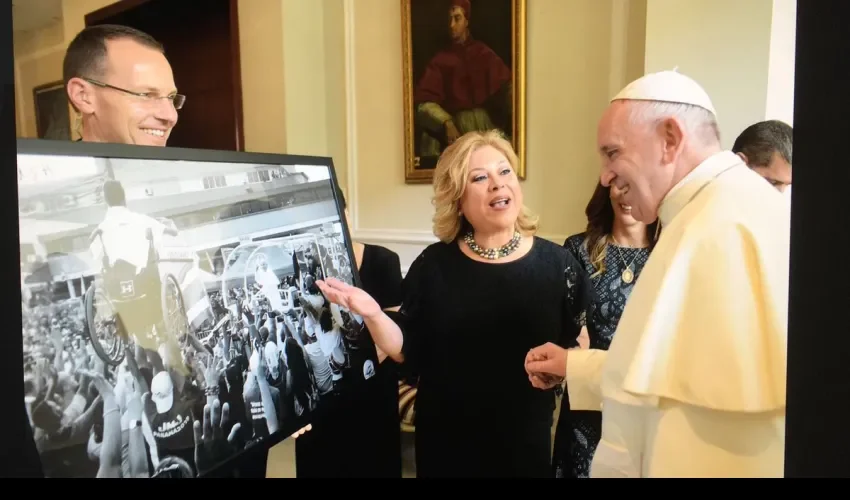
(627, 275)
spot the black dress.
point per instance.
(361, 437)
(467, 327)
(578, 432)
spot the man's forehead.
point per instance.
(612, 126)
(135, 64)
(777, 170)
(126, 50)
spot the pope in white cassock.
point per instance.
(269, 285)
(693, 384)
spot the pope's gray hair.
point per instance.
(699, 123)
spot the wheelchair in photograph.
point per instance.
(126, 306)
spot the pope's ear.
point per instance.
(81, 96)
(673, 134)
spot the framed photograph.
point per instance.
(52, 119)
(464, 70)
(169, 308)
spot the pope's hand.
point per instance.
(349, 297)
(546, 365)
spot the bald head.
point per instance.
(86, 55)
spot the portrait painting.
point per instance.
(464, 70)
(52, 119)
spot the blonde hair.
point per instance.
(450, 179)
(597, 255)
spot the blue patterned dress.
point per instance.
(578, 432)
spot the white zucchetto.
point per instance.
(667, 86)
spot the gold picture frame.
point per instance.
(491, 16)
(52, 116)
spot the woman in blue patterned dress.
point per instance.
(613, 250)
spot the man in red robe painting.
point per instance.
(465, 87)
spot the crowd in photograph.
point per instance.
(275, 352)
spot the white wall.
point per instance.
(724, 45)
(572, 48)
(780, 78)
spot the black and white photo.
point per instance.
(171, 317)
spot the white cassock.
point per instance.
(269, 282)
(693, 384)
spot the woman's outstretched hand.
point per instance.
(349, 297)
(301, 431)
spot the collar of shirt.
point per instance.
(117, 212)
(684, 190)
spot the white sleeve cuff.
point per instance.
(584, 378)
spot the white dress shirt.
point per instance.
(124, 237)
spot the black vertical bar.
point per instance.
(817, 440)
(18, 452)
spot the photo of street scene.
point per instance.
(170, 311)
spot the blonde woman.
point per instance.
(473, 305)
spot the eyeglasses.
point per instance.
(178, 100)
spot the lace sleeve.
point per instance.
(573, 244)
(577, 298)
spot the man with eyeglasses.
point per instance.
(121, 83)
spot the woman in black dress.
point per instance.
(612, 251)
(473, 306)
(361, 437)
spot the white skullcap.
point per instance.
(667, 86)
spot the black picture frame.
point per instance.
(84, 150)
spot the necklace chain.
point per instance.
(627, 275)
(493, 253)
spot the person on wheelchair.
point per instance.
(125, 244)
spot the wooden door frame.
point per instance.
(103, 13)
